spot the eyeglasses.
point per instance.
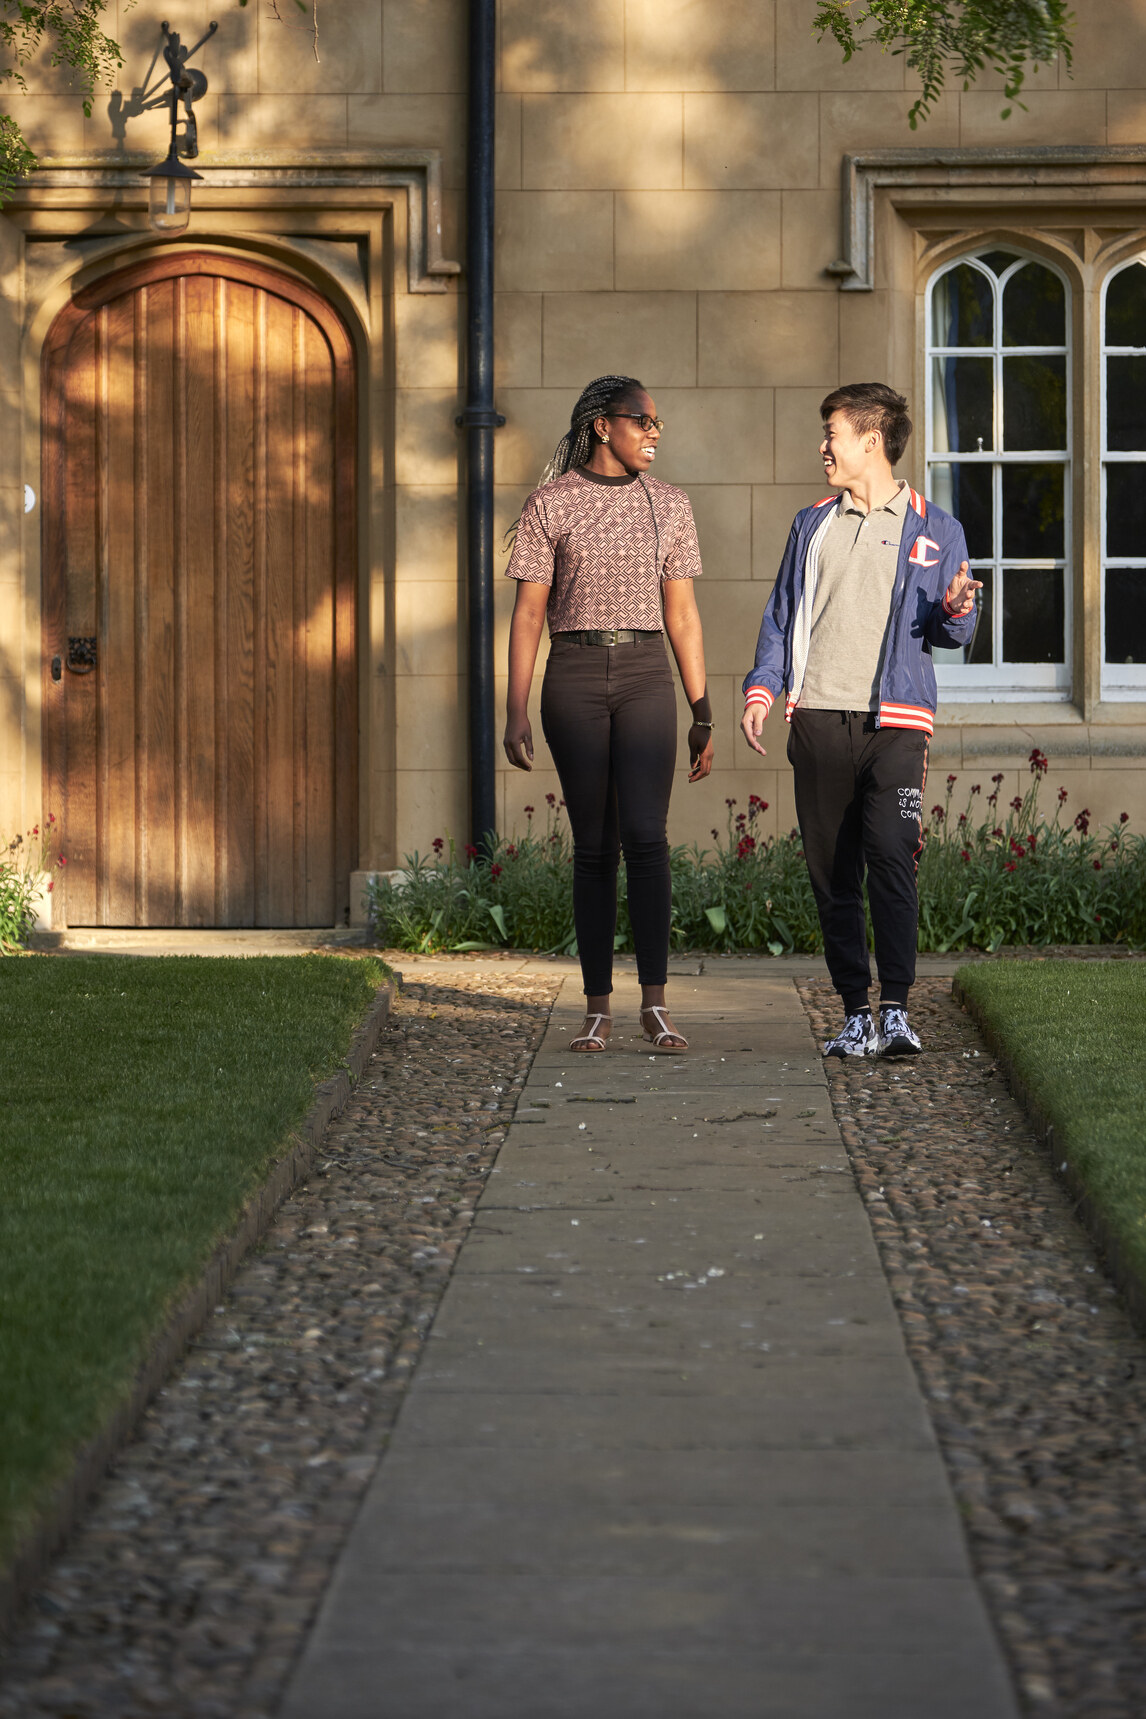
(641, 418)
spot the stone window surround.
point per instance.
(351, 222)
(907, 213)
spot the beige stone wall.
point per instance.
(668, 176)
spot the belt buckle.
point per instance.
(612, 636)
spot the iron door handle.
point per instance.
(81, 656)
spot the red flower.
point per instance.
(1016, 847)
(471, 851)
(745, 846)
(63, 858)
(1010, 866)
(992, 799)
(495, 871)
(35, 829)
(964, 855)
(951, 781)
(1032, 841)
(51, 885)
(938, 814)
(1062, 796)
(51, 817)
(716, 835)
(511, 851)
(976, 787)
(1124, 817)
(962, 817)
(1082, 822)
(529, 811)
(741, 820)
(1098, 919)
(551, 799)
(1016, 804)
(730, 804)
(438, 844)
(996, 832)
(1038, 763)
(1098, 865)
(997, 779)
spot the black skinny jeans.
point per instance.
(609, 716)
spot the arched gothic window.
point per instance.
(998, 458)
(1124, 483)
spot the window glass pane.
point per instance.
(1125, 615)
(1126, 404)
(982, 646)
(962, 308)
(1126, 307)
(1034, 616)
(999, 261)
(1126, 509)
(1034, 402)
(962, 395)
(964, 491)
(1034, 308)
(1034, 516)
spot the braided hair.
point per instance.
(597, 400)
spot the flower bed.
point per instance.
(988, 877)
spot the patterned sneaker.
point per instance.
(895, 1036)
(859, 1037)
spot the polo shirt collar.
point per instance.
(897, 504)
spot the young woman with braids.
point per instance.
(608, 555)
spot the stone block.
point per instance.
(507, 143)
(428, 529)
(1109, 49)
(431, 121)
(760, 141)
(689, 240)
(855, 120)
(430, 803)
(430, 729)
(1064, 116)
(427, 442)
(729, 437)
(547, 46)
(810, 239)
(805, 62)
(535, 421)
(772, 339)
(428, 630)
(799, 431)
(699, 45)
(429, 340)
(649, 334)
(424, 45)
(262, 121)
(517, 326)
(723, 514)
(730, 610)
(349, 56)
(774, 507)
(54, 124)
(601, 142)
(554, 241)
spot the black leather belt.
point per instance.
(610, 636)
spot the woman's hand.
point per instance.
(518, 742)
(699, 752)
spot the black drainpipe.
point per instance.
(479, 418)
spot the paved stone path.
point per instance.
(664, 1454)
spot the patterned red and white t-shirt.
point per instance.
(594, 541)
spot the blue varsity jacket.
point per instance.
(930, 551)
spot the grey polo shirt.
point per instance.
(859, 553)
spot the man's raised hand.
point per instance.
(959, 598)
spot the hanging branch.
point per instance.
(961, 38)
(311, 28)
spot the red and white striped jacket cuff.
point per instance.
(758, 695)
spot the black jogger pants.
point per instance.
(609, 716)
(859, 803)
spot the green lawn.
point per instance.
(1075, 1033)
(142, 1102)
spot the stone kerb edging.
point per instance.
(1125, 1279)
(189, 1314)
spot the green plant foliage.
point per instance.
(25, 865)
(961, 38)
(986, 878)
(70, 31)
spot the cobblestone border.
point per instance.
(1093, 1218)
(188, 1317)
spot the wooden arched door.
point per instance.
(199, 597)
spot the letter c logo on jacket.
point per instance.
(924, 552)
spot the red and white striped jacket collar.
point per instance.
(917, 501)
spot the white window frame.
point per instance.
(1120, 681)
(1000, 681)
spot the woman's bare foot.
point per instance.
(594, 1035)
(657, 1028)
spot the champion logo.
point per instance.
(924, 552)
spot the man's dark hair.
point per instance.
(872, 406)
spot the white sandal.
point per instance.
(593, 1036)
(662, 1040)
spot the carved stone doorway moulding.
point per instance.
(1034, 186)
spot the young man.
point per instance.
(871, 579)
